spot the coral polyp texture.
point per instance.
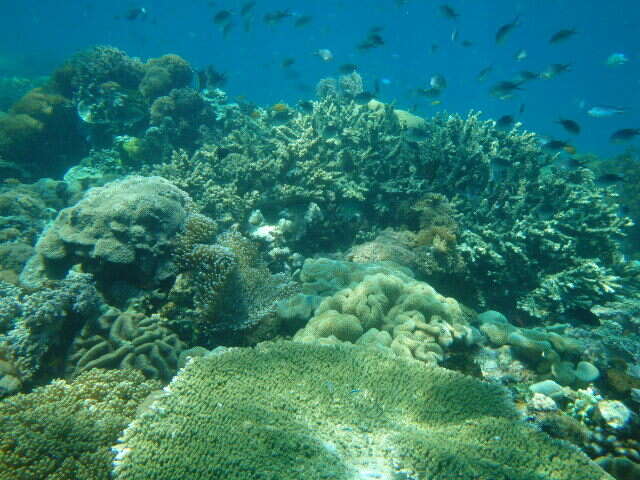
(292, 411)
(65, 429)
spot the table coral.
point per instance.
(292, 411)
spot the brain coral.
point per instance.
(420, 322)
(290, 411)
(64, 430)
(125, 230)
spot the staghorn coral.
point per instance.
(64, 430)
(292, 411)
(125, 340)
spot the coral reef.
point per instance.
(124, 232)
(124, 340)
(35, 326)
(65, 429)
(386, 311)
(290, 411)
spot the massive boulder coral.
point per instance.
(65, 429)
(292, 411)
(124, 232)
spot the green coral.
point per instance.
(291, 411)
(124, 340)
(394, 312)
(65, 430)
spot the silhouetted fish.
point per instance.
(482, 74)
(448, 12)
(504, 89)
(570, 126)
(347, 68)
(247, 7)
(277, 16)
(506, 29)
(505, 121)
(222, 16)
(624, 134)
(303, 20)
(562, 35)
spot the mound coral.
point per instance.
(292, 411)
(65, 429)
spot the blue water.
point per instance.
(35, 36)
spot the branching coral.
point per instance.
(65, 429)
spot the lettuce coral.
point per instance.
(292, 411)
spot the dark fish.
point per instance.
(347, 68)
(277, 16)
(448, 12)
(482, 74)
(569, 125)
(209, 77)
(554, 70)
(373, 40)
(505, 121)
(562, 35)
(435, 47)
(607, 179)
(506, 29)
(303, 20)
(134, 14)
(287, 62)
(555, 145)
(504, 89)
(247, 7)
(527, 76)
(306, 106)
(467, 43)
(521, 109)
(624, 134)
(222, 16)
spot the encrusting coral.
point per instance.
(65, 429)
(293, 411)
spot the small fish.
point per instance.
(505, 89)
(554, 145)
(505, 121)
(134, 14)
(438, 81)
(434, 48)
(226, 29)
(435, 102)
(562, 35)
(448, 12)
(209, 77)
(347, 68)
(429, 92)
(287, 62)
(570, 149)
(325, 54)
(624, 135)
(616, 59)
(277, 16)
(570, 126)
(521, 109)
(454, 35)
(373, 40)
(222, 16)
(246, 8)
(608, 179)
(603, 111)
(482, 74)
(506, 29)
(303, 20)
(521, 55)
(364, 97)
(467, 43)
(527, 76)
(555, 69)
(306, 106)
